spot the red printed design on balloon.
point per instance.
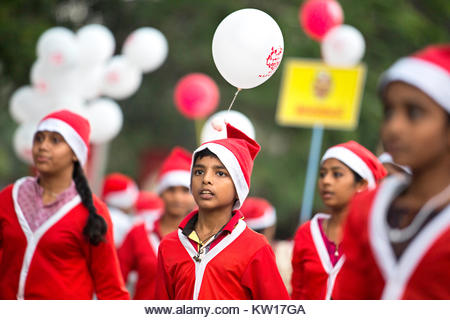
(273, 61)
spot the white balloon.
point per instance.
(23, 141)
(247, 48)
(58, 49)
(72, 102)
(219, 120)
(106, 119)
(146, 48)
(48, 81)
(96, 44)
(26, 105)
(89, 81)
(343, 46)
(121, 78)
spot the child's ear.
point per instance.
(361, 185)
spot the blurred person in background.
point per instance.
(345, 169)
(392, 167)
(56, 236)
(120, 193)
(140, 248)
(397, 237)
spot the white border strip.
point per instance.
(123, 199)
(268, 219)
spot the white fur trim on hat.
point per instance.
(387, 158)
(268, 219)
(72, 138)
(173, 179)
(426, 76)
(351, 160)
(232, 165)
(122, 199)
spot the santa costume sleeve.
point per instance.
(104, 264)
(262, 277)
(127, 254)
(298, 268)
(354, 279)
(164, 290)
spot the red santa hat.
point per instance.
(237, 154)
(175, 170)
(119, 191)
(258, 213)
(148, 203)
(359, 159)
(72, 127)
(428, 70)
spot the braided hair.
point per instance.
(95, 228)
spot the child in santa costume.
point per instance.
(140, 248)
(55, 235)
(214, 255)
(397, 236)
(120, 193)
(345, 169)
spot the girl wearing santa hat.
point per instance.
(140, 248)
(213, 254)
(397, 236)
(55, 235)
(346, 169)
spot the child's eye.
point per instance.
(56, 140)
(198, 172)
(337, 174)
(221, 174)
(322, 174)
(415, 112)
(38, 137)
(388, 111)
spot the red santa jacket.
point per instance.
(313, 273)
(138, 252)
(372, 271)
(55, 261)
(241, 266)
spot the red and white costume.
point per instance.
(139, 252)
(237, 263)
(372, 270)
(315, 273)
(55, 261)
(314, 262)
(239, 266)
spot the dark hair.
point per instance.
(204, 153)
(358, 178)
(95, 228)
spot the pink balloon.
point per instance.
(196, 95)
(318, 16)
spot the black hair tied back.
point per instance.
(95, 228)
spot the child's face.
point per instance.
(212, 186)
(51, 153)
(337, 184)
(178, 201)
(415, 129)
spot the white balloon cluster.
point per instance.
(77, 71)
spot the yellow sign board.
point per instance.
(315, 93)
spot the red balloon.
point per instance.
(196, 95)
(317, 17)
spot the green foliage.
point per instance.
(391, 28)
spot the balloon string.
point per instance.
(234, 98)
